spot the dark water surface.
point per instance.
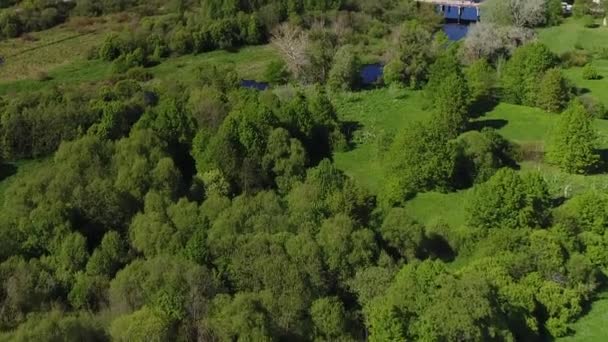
(455, 31)
(251, 84)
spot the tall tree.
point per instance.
(553, 91)
(573, 142)
(448, 92)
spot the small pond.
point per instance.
(371, 73)
(251, 84)
(455, 31)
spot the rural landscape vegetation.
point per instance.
(303, 170)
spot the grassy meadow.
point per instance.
(59, 56)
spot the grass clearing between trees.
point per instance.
(385, 111)
(376, 112)
(572, 35)
(65, 46)
(250, 63)
(591, 327)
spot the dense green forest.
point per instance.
(147, 195)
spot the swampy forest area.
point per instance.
(287, 170)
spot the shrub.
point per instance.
(276, 73)
(139, 74)
(575, 58)
(590, 73)
(601, 52)
(113, 46)
(43, 76)
(520, 76)
(344, 73)
(594, 107)
(589, 22)
(581, 8)
(573, 142)
(393, 71)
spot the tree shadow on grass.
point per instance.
(602, 166)
(482, 106)
(7, 170)
(438, 247)
(348, 129)
(478, 125)
(582, 91)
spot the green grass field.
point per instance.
(381, 110)
(592, 327)
(570, 34)
(37, 53)
(250, 63)
(377, 111)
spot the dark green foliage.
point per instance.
(58, 326)
(34, 124)
(39, 15)
(553, 92)
(328, 315)
(509, 200)
(421, 158)
(481, 80)
(276, 73)
(572, 146)
(413, 55)
(554, 12)
(482, 154)
(344, 73)
(140, 325)
(523, 72)
(448, 92)
(403, 233)
(588, 212)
